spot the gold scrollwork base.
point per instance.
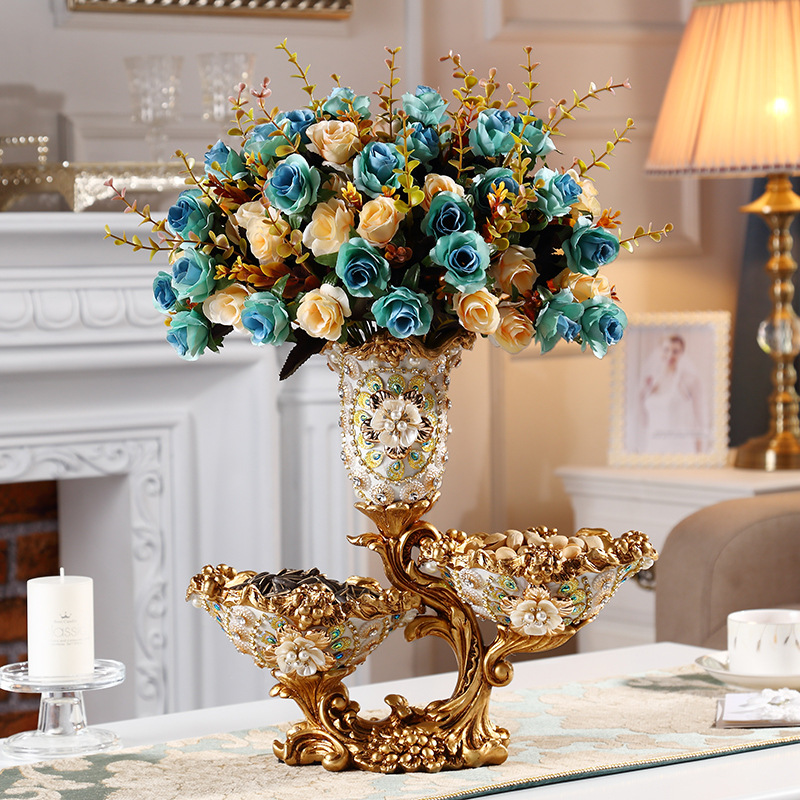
(455, 733)
(542, 596)
(409, 739)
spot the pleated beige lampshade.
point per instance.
(732, 106)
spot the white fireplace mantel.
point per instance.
(163, 466)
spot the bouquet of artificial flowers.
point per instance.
(334, 221)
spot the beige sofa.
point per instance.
(736, 554)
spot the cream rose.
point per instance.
(329, 228)
(249, 212)
(378, 221)
(335, 140)
(515, 270)
(477, 311)
(583, 287)
(515, 331)
(435, 183)
(382, 129)
(263, 241)
(588, 198)
(335, 183)
(322, 312)
(224, 307)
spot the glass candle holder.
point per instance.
(154, 83)
(220, 74)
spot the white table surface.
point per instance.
(769, 774)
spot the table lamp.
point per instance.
(732, 109)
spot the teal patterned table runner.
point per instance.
(571, 731)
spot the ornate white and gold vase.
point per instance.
(394, 407)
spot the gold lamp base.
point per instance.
(769, 453)
(778, 335)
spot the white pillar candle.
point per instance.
(60, 627)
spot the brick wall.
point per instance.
(28, 549)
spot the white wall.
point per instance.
(515, 419)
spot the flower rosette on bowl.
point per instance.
(299, 622)
(536, 585)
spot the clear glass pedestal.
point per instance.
(62, 731)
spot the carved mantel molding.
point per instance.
(144, 459)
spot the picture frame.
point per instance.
(670, 391)
(309, 9)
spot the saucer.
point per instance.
(719, 670)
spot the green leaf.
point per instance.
(326, 260)
(279, 286)
(411, 278)
(306, 347)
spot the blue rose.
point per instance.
(229, 162)
(589, 248)
(602, 324)
(465, 257)
(188, 334)
(570, 189)
(374, 167)
(496, 176)
(448, 213)
(189, 215)
(362, 268)
(164, 297)
(267, 319)
(193, 276)
(297, 122)
(491, 135)
(536, 142)
(293, 185)
(426, 105)
(422, 142)
(556, 194)
(264, 140)
(404, 313)
(558, 319)
(342, 99)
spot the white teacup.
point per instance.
(764, 641)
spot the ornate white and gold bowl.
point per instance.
(301, 622)
(536, 582)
